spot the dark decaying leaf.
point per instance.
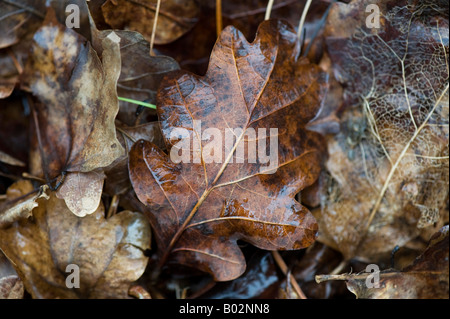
(245, 16)
(260, 280)
(109, 253)
(388, 169)
(318, 259)
(140, 75)
(118, 180)
(200, 210)
(176, 17)
(17, 18)
(426, 278)
(18, 22)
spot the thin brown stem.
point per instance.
(219, 23)
(34, 178)
(15, 61)
(280, 262)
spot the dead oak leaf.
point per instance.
(109, 253)
(198, 209)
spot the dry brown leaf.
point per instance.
(21, 200)
(388, 168)
(200, 210)
(109, 253)
(74, 117)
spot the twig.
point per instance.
(15, 61)
(322, 278)
(139, 292)
(32, 177)
(280, 262)
(13, 177)
(112, 210)
(155, 22)
(219, 23)
(268, 10)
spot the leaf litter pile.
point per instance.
(92, 204)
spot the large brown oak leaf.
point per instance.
(198, 209)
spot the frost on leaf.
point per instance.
(388, 168)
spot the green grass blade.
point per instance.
(152, 106)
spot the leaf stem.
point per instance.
(182, 228)
(284, 268)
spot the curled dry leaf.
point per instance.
(426, 278)
(108, 253)
(199, 209)
(21, 200)
(176, 17)
(74, 117)
(389, 167)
